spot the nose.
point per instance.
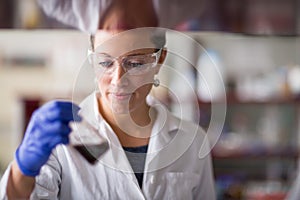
(119, 76)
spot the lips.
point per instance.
(120, 96)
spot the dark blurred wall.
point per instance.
(6, 13)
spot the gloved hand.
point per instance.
(48, 127)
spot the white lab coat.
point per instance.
(85, 15)
(173, 169)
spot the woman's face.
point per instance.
(122, 90)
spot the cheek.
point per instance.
(144, 80)
(141, 84)
(144, 85)
(103, 83)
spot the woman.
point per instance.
(151, 154)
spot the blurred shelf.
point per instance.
(232, 99)
(256, 153)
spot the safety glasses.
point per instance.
(135, 64)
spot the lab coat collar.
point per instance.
(89, 109)
(115, 157)
(163, 127)
(165, 124)
(165, 120)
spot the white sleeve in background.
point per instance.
(85, 15)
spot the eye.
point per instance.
(105, 64)
(134, 62)
(104, 61)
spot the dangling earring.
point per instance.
(156, 82)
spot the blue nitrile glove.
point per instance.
(48, 127)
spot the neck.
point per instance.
(132, 129)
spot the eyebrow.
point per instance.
(104, 54)
(137, 54)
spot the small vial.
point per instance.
(86, 139)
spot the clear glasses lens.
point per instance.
(134, 65)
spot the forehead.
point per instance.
(119, 43)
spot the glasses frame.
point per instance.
(156, 54)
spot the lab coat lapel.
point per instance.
(115, 157)
(162, 133)
(168, 140)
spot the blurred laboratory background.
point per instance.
(254, 45)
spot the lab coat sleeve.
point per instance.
(47, 182)
(3, 183)
(206, 188)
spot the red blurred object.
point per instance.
(262, 196)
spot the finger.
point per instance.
(61, 104)
(47, 142)
(55, 141)
(64, 111)
(62, 114)
(54, 128)
(65, 140)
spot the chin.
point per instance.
(124, 108)
(120, 109)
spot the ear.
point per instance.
(163, 56)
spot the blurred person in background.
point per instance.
(159, 150)
(88, 16)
